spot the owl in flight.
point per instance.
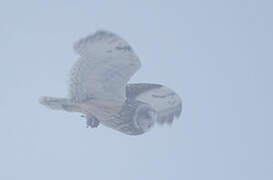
(99, 88)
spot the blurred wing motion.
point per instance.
(106, 64)
(163, 100)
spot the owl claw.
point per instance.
(92, 122)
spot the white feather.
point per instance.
(105, 66)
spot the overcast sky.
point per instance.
(216, 54)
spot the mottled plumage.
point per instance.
(98, 88)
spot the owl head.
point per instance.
(144, 117)
(135, 118)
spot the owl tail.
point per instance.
(59, 104)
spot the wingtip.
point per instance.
(80, 45)
(42, 100)
(178, 112)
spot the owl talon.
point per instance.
(92, 122)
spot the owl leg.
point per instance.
(92, 121)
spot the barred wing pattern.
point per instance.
(106, 64)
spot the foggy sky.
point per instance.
(216, 54)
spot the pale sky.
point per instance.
(217, 55)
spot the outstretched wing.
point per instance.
(165, 101)
(106, 64)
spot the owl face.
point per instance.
(144, 117)
(135, 118)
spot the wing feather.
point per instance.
(166, 102)
(106, 64)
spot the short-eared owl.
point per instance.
(99, 88)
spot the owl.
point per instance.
(99, 88)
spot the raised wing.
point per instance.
(106, 64)
(165, 101)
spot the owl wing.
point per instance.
(105, 65)
(166, 102)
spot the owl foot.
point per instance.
(92, 122)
